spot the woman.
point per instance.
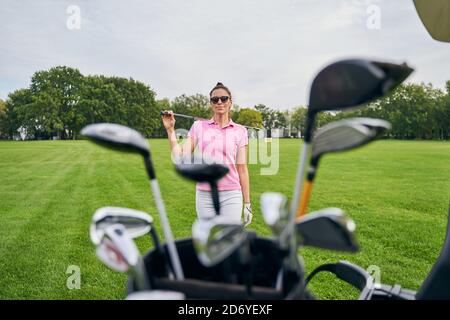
(226, 142)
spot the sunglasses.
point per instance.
(222, 98)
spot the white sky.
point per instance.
(264, 51)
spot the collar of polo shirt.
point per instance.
(230, 123)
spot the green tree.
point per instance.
(250, 117)
(195, 105)
(18, 115)
(3, 119)
(60, 86)
(298, 119)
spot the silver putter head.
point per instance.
(137, 223)
(327, 229)
(117, 137)
(275, 210)
(216, 239)
(117, 250)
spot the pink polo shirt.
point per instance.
(221, 145)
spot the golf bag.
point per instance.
(227, 280)
(436, 285)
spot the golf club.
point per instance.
(217, 239)
(118, 137)
(341, 85)
(137, 223)
(166, 113)
(118, 251)
(327, 229)
(435, 16)
(337, 136)
(204, 170)
(275, 210)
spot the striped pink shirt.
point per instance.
(221, 145)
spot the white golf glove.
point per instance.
(248, 216)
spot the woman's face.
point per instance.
(218, 106)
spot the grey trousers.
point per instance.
(231, 203)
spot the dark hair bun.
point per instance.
(220, 85)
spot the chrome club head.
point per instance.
(137, 223)
(117, 137)
(327, 229)
(215, 239)
(339, 136)
(274, 207)
(378, 126)
(119, 252)
(156, 295)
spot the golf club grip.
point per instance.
(215, 198)
(305, 198)
(149, 167)
(309, 126)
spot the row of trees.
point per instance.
(60, 101)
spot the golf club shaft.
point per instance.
(173, 253)
(161, 251)
(199, 118)
(304, 155)
(215, 198)
(288, 233)
(140, 275)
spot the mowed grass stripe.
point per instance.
(42, 236)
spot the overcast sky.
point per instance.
(264, 51)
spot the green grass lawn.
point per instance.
(397, 192)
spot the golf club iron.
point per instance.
(118, 251)
(338, 136)
(118, 137)
(137, 223)
(341, 85)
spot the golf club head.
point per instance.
(339, 136)
(117, 250)
(349, 83)
(216, 239)
(275, 210)
(378, 126)
(201, 169)
(327, 229)
(156, 295)
(117, 137)
(435, 16)
(137, 223)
